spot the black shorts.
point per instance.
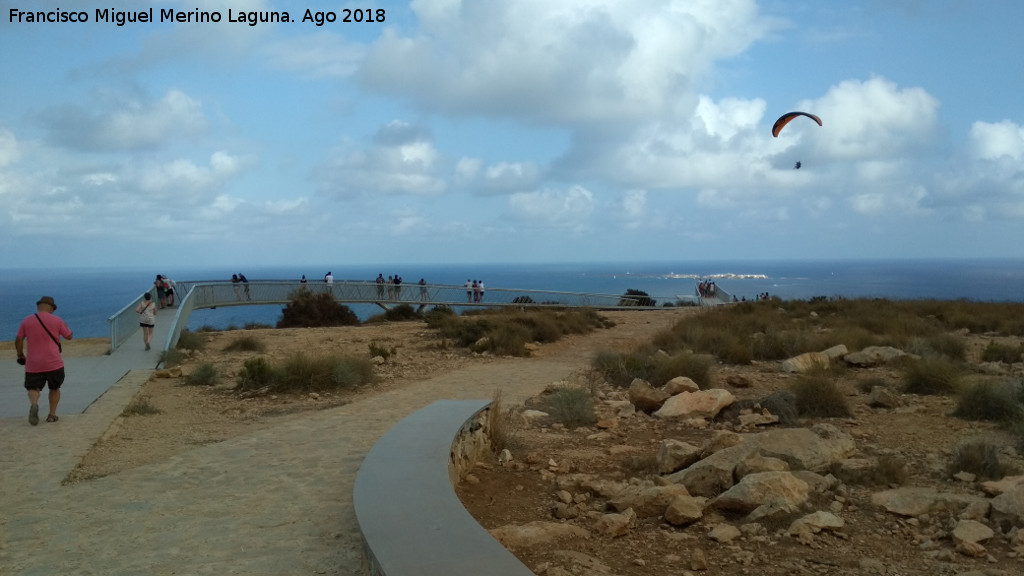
(144, 325)
(36, 380)
(169, 292)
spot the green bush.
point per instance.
(996, 352)
(245, 344)
(991, 401)
(931, 376)
(308, 309)
(507, 331)
(636, 298)
(818, 396)
(401, 313)
(571, 406)
(204, 375)
(948, 345)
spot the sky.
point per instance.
(489, 131)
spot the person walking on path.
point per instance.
(147, 318)
(43, 363)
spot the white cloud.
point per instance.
(324, 54)
(632, 208)
(402, 160)
(995, 141)
(569, 208)
(183, 176)
(869, 120)
(573, 61)
(8, 147)
(123, 123)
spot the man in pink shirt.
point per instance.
(43, 365)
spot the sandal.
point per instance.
(52, 418)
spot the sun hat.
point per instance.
(47, 300)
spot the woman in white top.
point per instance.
(147, 317)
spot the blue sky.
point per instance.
(468, 131)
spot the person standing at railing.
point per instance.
(423, 290)
(469, 290)
(147, 318)
(169, 289)
(380, 286)
(235, 281)
(161, 291)
(480, 286)
(398, 287)
(245, 282)
(329, 278)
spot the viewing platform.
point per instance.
(196, 295)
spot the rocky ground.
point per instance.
(597, 499)
(622, 497)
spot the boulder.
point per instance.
(804, 528)
(772, 512)
(807, 449)
(675, 455)
(836, 352)
(615, 525)
(913, 502)
(714, 474)
(882, 397)
(720, 440)
(971, 531)
(757, 489)
(684, 510)
(724, 533)
(997, 487)
(758, 463)
(703, 404)
(680, 384)
(520, 536)
(874, 356)
(806, 362)
(647, 501)
(1008, 508)
(645, 397)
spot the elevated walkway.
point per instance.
(195, 295)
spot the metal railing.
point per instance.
(195, 295)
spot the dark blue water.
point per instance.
(87, 297)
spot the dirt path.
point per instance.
(276, 500)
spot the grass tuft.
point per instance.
(571, 406)
(818, 396)
(300, 373)
(990, 401)
(140, 406)
(979, 457)
(245, 344)
(934, 376)
(204, 375)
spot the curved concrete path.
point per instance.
(277, 501)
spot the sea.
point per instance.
(87, 297)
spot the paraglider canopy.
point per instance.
(787, 118)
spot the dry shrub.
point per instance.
(190, 341)
(931, 376)
(818, 396)
(140, 406)
(996, 352)
(571, 406)
(204, 375)
(504, 425)
(991, 401)
(696, 367)
(300, 374)
(979, 457)
(620, 368)
(864, 385)
(245, 344)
